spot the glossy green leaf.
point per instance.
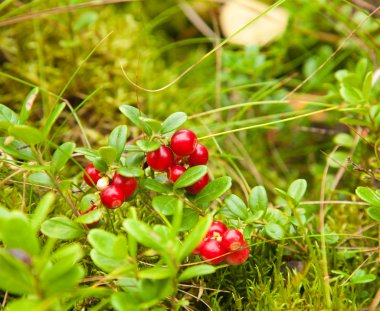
(52, 118)
(28, 134)
(351, 94)
(106, 263)
(367, 85)
(87, 152)
(62, 228)
(196, 271)
(190, 176)
(344, 139)
(61, 156)
(173, 122)
(15, 276)
(368, 195)
(144, 234)
(108, 154)
(374, 213)
(42, 210)
(28, 104)
(236, 206)
(87, 201)
(17, 232)
(17, 149)
(118, 139)
(213, 190)
(156, 273)
(40, 178)
(100, 164)
(189, 219)
(297, 189)
(195, 237)
(90, 217)
(108, 243)
(165, 204)
(133, 171)
(133, 114)
(66, 282)
(274, 231)
(148, 146)
(7, 117)
(155, 186)
(124, 301)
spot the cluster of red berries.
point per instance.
(184, 150)
(223, 244)
(115, 192)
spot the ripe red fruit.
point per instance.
(112, 197)
(216, 227)
(174, 172)
(127, 184)
(160, 159)
(92, 176)
(183, 142)
(212, 251)
(232, 240)
(199, 156)
(240, 256)
(197, 251)
(198, 186)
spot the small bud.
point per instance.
(103, 183)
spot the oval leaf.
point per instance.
(195, 271)
(131, 171)
(368, 195)
(154, 185)
(118, 139)
(213, 190)
(236, 206)
(133, 114)
(62, 228)
(258, 199)
(108, 154)
(28, 134)
(173, 122)
(374, 213)
(148, 146)
(61, 156)
(191, 176)
(274, 231)
(165, 204)
(297, 189)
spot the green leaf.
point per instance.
(297, 189)
(28, 104)
(351, 94)
(367, 85)
(40, 178)
(133, 114)
(61, 156)
(90, 217)
(108, 244)
(156, 273)
(52, 118)
(353, 121)
(361, 277)
(165, 204)
(87, 152)
(100, 164)
(17, 149)
(189, 219)
(173, 122)
(7, 117)
(374, 213)
(62, 228)
(195, 237)
(106, 263)
(344, 139)
(195, 271)
(17, 232)
(25, 304)
(190, 176)
(108, 154)
(15, 276)
(27, 134)
(134, 171)
(66, 282)
(154, 185)
(123, 301)
(118, 139)
(258, 203)
(148, 146)
(236, 206)
(42, 210)
(213, 190)
(144, 234)
(368, 195)
(274, 231)
(87, 201)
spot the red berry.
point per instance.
(216, 227)
(112, 197)
(174, 172)
(199, 156)
(232, 240)
(212, 251)
(198, 186)
(160, 159)
(197, 251)
(91, 175)
(183, 142)
(92, 224)
(127, 184)
(240, 256)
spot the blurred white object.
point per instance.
(375, 77)
(235, 14)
